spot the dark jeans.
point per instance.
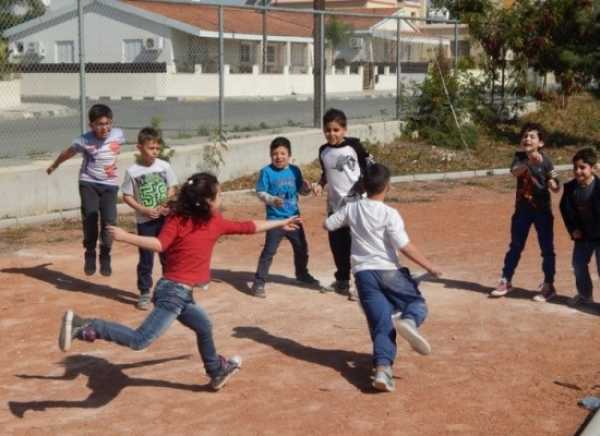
(582, 254)
(383, 293)
(543, 222)
(172, 301)
(340, 243)
(97, 201)
(146, 262)
(272, 239)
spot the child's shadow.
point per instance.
(518, 293)
(105, 380)
(242, 280)
(354, 367)
(69, 283)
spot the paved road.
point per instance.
(22, 140)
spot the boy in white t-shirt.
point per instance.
(147, 186)
(388, 295)
(98, 183)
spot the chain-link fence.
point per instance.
(203, 70)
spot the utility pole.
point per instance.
(265, 3)
(318, 64)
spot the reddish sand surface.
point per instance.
(506, 366)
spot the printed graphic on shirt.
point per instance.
(152, 189)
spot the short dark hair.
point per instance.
(335, 115)
(528, 127)
(99, 111)
(588, 155)
(281, 141)
(376, 178)
(148, 134)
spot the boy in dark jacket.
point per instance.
(580, 210)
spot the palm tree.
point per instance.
(337, 33)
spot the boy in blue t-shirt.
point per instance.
(278, 187)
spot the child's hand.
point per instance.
(117, 233)
(306, 186)
(50, 169)
(293, 223)
(164, 210)
(278, 202)
(577, 234)
(553, 174)
(434, 271)
(317, 189)
(151, 213)
(535, 157)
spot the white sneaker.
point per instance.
(408, 330)
(503, 288)
(547, 293)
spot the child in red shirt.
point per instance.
(187, 238)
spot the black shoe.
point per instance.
(89, 267)
(228, 368)
(258, 290)
(105, 268)
(308, 280)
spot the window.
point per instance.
(298, 54)
(65, 52)
(132, 49)
(270, 54)
(245, 53)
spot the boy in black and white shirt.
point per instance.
(343, 161)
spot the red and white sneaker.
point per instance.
(503, 288)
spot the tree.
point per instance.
(33, 9)
(337, 34)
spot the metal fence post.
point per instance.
(264, 39)
(323, 68)
(221, 75)
(398, 72)
(318, 6)
(82, 92)
(455, 46)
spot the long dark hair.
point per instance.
(194, 197)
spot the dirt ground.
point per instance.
(498, 367)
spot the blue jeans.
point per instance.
(146, 262)
(171, 301)
(383, 293)
(582, 254)
(272, 239)
(521, 222)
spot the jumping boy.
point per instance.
(388, 295)
(580, 210)
(147, 186)
(342, 160)
(535, 178)
(278, 187)
(98, 183)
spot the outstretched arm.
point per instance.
(412, 252)
(287, 224)
(145, 242)
(66, 154)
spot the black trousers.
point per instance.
(98, 202)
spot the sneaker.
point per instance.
(579, 300)
(341, 287)
(547, 293)
(503, 288)
(384, 380)
(144, 302)
(228, 368)
(70, 328)
(407, 329)
(308, 280)
(258, 290)
(89, 267)
(352, 294)
(105, 268)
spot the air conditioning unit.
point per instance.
(356, 42)
(37, 48)
(16, 48)
(154, 43)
